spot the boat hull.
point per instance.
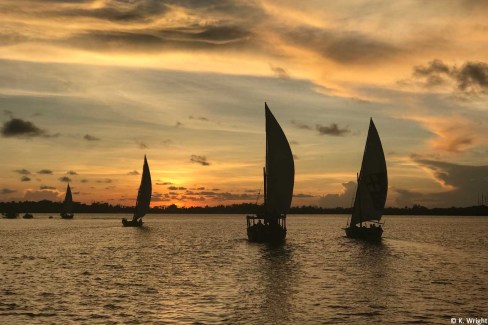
(132, 223)
(11, 215)
(260, 233)
(67, 215)
(369, 234)
(27, 216)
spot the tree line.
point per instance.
(46, 206)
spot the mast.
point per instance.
(264, 181)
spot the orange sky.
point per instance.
(88, 87)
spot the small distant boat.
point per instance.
(67, 212)
(279, 178)
(371, 191)
(143, 198)
(27, 216)
(10, 215)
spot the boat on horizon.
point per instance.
(279, 178)
(143, 198)
(10, 215)
(371, 191)
(28, 215)
(67, 209)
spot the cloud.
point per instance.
(164, 183)
(88, 137)
(25, 179)
(178, 124)
(65, 179)
(201, 118)
(469, 79)
(202, 160)
(106, 181)
(279, 72)
(176, 188)
(31, 195)
(344, 47)
(45, 187)
(84, 181)
(302, 195)
(21, 129)
(333, 129)
(134, 172)
(343, 199)
(461, 184)
(141, 145)
(71, 172)
(22, 171)
(45, 172)
(301, 125)
(7, 191)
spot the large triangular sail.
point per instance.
(68, 202)
(144, 194)
(280, 169)
(372, 181)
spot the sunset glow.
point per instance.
(88, 87)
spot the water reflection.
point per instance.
(371, 286)
(267, 285)
(277, 279)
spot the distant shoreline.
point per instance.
(243, 208)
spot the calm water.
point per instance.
(202, 270)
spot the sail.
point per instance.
(372, 181)
(68, 201)
(144, 194)
(280, 169)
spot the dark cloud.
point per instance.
(134, 172)
(71, 172)
(25, 179)
(142, 145)
(88, 137)
(462, 183)
(65, 179)
(7, 191)
(84, 181)
(343, 47)
(22, 171)
(21, 129)
(106, 181)
(470, 78)
(150, 40)
(176, 188)
(45, 172)
(333, 129)
(164, 183)
(201, 118)
(302, 195)
(45, 187)
(279, 72)
(343, 199)
(178, 124)
(202, 160)
(301, 125)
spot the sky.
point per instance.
(88, 87)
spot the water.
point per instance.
(202, 270)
